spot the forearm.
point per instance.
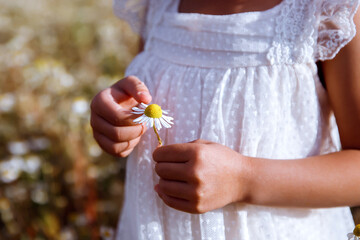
(320, 181)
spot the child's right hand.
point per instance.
(111, 117)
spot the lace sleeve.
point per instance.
(336, 27)
(132, 11)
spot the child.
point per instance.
(252, 153)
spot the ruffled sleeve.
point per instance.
(336, 27)
(134, 12)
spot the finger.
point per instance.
(176, 203)
(105, 106)
(135, 88)
(174, 153)
(111, 147)
(126, 153)
(116, 134)
(172, 171)
(176, 189)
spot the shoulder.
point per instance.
(342, 77)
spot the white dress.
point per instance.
(247, 81)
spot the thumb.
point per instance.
(135, 88)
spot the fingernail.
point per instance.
(143, 93)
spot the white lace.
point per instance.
(336, 27)
(305, 30)
(294, 33)
(299, 38)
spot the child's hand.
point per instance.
(111, 117)
(200, 176)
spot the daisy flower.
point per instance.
(355, 235)
(106, 233)
(152, 116)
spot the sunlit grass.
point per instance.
(55, 182)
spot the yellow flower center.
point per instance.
(357, 230)
(153, 111)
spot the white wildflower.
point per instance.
(106, 233)
(152, 116)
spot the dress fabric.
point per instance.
(248, 81)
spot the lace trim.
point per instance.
(294, 33)
(336, 27)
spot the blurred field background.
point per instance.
(55, 182)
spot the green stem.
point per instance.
(157, 135)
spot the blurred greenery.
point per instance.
(55, 182)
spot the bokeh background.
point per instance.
(55, 182)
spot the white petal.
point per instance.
(170, 123)
(137, 112)
(164, 123)
(143, 105)
(165, 111)
(144, 119)
(141, 110)
(137, 109)
(168, 119)
(147, 122)
(139, 118)
(157, 124)
(151, 122)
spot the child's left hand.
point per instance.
(200, 176)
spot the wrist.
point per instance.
(245, 173)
